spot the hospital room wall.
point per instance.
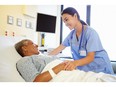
(51, 40)
(28, 13)
(17, 11)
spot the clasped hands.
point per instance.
(69, 65)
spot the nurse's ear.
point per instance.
(75, 15)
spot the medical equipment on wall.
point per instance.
(42, 39)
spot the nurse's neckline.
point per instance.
(77, 34)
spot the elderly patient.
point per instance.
(32, 64)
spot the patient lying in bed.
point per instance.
(40, 68)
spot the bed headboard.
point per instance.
(8, 59)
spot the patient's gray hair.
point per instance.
(19, 45)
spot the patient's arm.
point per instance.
(45, 76)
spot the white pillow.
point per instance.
(8, 59)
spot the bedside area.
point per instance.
(114, 66)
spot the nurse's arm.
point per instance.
(88, 59)
(57, 50)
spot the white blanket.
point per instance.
(78, 75)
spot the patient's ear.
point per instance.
(24, 49)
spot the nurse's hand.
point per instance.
(69, 65)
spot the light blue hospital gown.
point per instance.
(91, 43)
(31, 66)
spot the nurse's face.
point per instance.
(69, 20)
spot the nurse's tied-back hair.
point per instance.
(72, 11)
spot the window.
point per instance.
(103, 21)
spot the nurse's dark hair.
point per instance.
(72, 11)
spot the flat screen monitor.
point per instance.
(46, 23)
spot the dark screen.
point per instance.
(46, 23)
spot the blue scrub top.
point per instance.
(90, 43)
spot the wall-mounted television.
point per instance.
(45, 23)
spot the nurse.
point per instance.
(87, 50)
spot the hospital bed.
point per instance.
(8, 59)
(114, 66)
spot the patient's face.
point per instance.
(31, 48)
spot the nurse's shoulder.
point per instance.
(90, 31)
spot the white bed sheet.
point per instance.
(79, 76)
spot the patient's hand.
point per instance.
(59, 67)
(69, 65)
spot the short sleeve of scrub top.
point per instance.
(67, 40)
(93, 41)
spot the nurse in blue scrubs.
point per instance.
(86, 47)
